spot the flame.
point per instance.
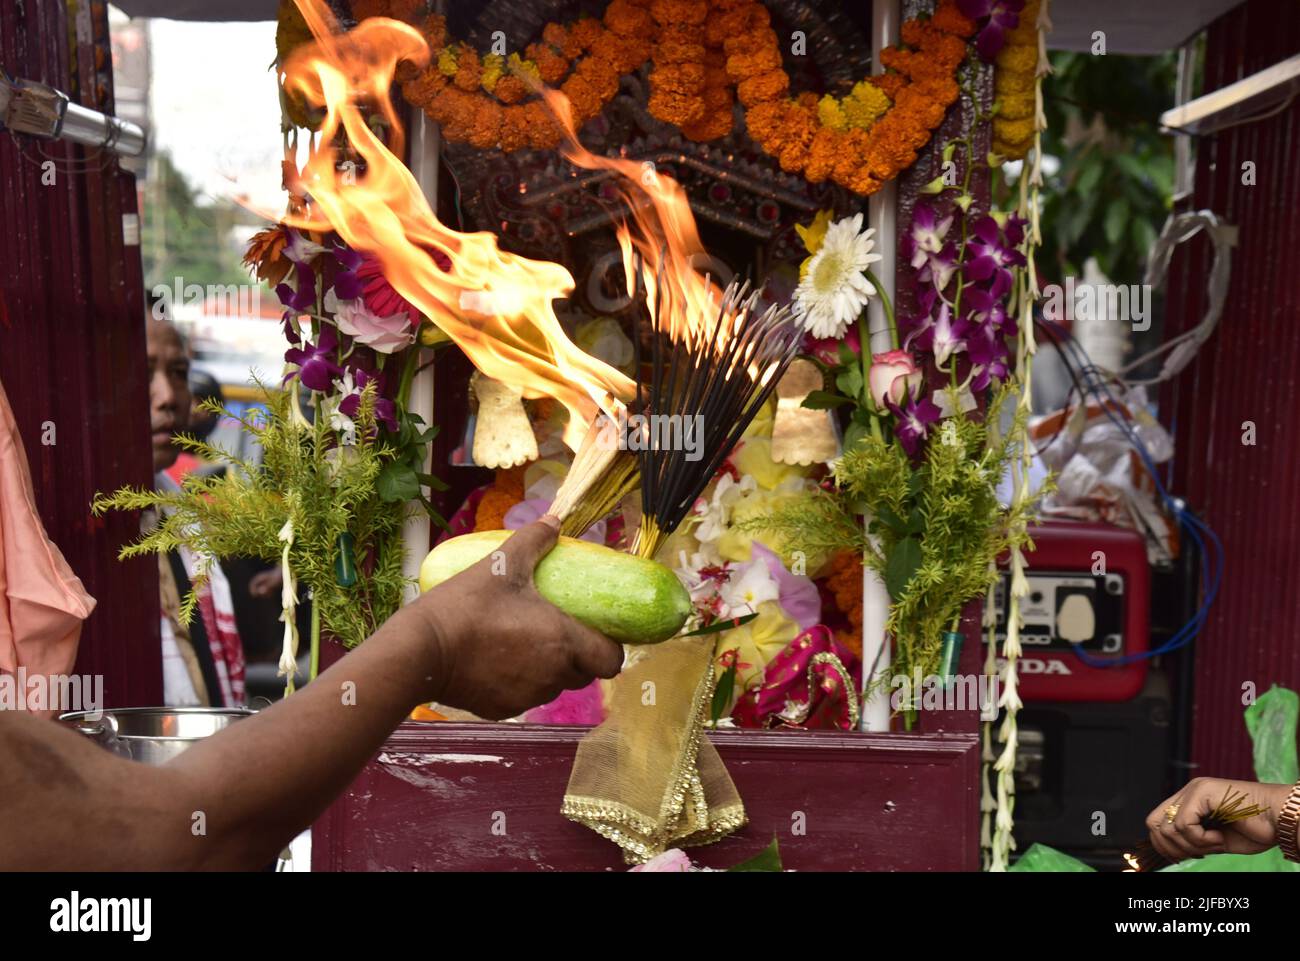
(494, 304)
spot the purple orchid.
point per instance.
(385, 409)
(303, 296)
(999, 16)
(348, 284)
(989, 357)
(991, 257)
(914, 420)
(985, 310)
(926, 236)
(316, 367)
(941, 334)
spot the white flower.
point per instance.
(288, 603)
(834, 288)
(712, 515)
(339, 421)
(747, 588)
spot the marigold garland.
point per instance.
(1014, 78)
(706, 54)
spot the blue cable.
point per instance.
(1188, 522)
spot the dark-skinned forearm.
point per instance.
(265, 779)
(232, 801)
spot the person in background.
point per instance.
(203, 661)
(203, 387)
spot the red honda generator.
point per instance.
(1087, 613)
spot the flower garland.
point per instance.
(998, 846)
(705, 55)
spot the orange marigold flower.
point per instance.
(717, 120)
(764, 87)
(485, 129)
(543, 132)
(682, 78)
(822, 155)
(622, 17)
(763, 120)
(584, 33)
(750, 64)
(693, 12)
(675, 108)
(675, 52)
(951, 20)
(601, 76)
(555, 35)
(434, 31)
(510, 89)
(889, 83)
(551, 67)
(724, 24)
(514, 129)
(469, 69)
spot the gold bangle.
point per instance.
(1288, 819)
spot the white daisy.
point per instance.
(834, 288)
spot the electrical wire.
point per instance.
(1097, 381)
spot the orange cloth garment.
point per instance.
(42, 602)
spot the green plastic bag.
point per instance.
(1040, 857)
(1271, 721)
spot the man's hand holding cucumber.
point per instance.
(484, 641)
(501, 647)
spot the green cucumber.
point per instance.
(629, 599)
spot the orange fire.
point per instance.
(494, 304)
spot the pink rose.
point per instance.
(894, 375)
(382, 334)
(674, 860)
(827, 349)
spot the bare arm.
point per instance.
(485, 642)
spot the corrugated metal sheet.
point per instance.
(72, 339)
(1249, 373)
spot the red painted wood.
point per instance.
(430, 800)
(72, 340)
(1246, 372)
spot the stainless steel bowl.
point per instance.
(152, 735)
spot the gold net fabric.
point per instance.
(647, 778)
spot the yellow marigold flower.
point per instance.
(493, 67)
(1013, 83)
(1015, 107)
(831, 114)
(813, 235)
(1018, 59)
(523, 69)
(865, 104)
(447, 62)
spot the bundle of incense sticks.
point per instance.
(1232, 808)
(707, 383)
(703, 381)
